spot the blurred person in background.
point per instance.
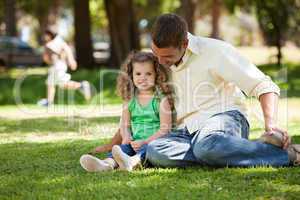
(59, 55)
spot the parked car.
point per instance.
(15, 52)
(101, 52)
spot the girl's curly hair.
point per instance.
(125, 86)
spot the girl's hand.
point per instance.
(136, 145)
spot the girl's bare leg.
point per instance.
(83, 86)
(74, 85)
(50, 93)
(117, 139)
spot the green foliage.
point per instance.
(150, 9)
(273, 17)
(35, 7)
(98, 15)
(277, 18)
(294, 23)
(144, 9)
(232, 5)
(169, 6)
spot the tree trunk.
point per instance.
(278, 45)
(279, 55)
(188, 10)
(215, 15)
(83, 41)
(124, 35)
(10, 17)
(54, 12)
(49, 18)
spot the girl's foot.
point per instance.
(124, 161)
(93, 164)
(44, 103)
(85, 88)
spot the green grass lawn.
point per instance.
(40, 160)
(40, 148)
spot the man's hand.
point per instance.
(269, 105)
(286, 140)
(136, 145)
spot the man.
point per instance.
(210, 77)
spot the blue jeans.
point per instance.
(223, 141)
(127, 148)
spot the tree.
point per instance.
(214, 8)
(294, 24)
(83, 41)
(215, 17)
(187, 11)
(150, 9)
(10, 18)
(46, 12)
(124, 35)
(274, 18)
(1, 11)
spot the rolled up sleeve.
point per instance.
(235, 68)
(265, 86)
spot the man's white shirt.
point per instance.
(210, 80)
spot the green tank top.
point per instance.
(144, 119)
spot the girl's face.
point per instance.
(143, 76)
(47, 38)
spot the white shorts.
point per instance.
(57, 74)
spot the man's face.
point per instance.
(168, 56)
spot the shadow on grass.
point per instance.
(52, 170)
(51, 124)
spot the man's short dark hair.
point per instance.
(51, 33)
(169, 30)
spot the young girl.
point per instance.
(146, 114)
(59, 55)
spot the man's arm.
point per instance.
(70, 58)
(233, 67)
(269, 105)
(46, 56)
